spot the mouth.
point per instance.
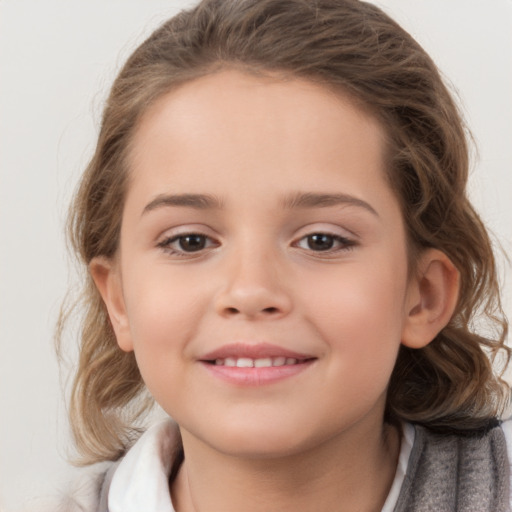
(245, 364)
(262, 362)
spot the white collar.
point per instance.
(141, 481)
(408, 435)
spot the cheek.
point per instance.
(360, 314)
(162, 322)
(162, 308)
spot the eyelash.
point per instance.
(344, 244)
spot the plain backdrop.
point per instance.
(57, 60)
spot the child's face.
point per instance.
(259, 225)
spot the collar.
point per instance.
(141, 481)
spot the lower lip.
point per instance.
(256, 376)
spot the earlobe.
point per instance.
(432, 299)
(106, 276)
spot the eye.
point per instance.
(186, 243)
(322, 242)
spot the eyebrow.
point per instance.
(319, 200)
(197, 201)
(294, 201)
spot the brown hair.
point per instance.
(352, 46)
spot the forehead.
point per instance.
(256, 130)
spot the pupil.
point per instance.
(192, 243)
(320, 242)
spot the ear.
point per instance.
(106, 276)
(432, 297)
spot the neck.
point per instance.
(352, 472)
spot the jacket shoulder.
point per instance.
(449, 471)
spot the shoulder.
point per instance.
(463, 452)
(458, 471)
(144, 470)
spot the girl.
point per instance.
(282, 255)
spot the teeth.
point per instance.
(264, 362)
(244, 362)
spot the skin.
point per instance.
(253, 146)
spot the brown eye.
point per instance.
(191, 243)
(320, 242)
(325, 242)
(186, 244)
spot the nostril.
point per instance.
(232, 311)
(270, 310)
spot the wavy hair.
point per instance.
(356, 48)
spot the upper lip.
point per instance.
(253, 351)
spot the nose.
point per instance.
(253, 289)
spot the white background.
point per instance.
(57, 59)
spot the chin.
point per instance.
(260, 441)
(264, 448)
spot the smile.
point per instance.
(255, 365)
(247, 362)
